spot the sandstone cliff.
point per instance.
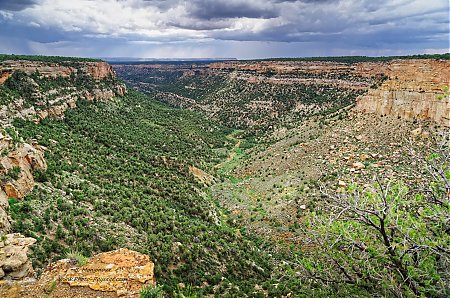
(17, 163)
(40, 90)
(49, 89)
(35, 90)
(411, 91)
(97, 70)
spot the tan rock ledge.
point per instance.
(122, 271)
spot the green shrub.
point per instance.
(151, 292)
(78, 257)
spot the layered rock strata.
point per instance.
(414, 90)
(17, 163)
(56, 101)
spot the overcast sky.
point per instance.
(223, 28)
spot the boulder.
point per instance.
(342, 183)
(416, 132)
(122, 271)
(358, 165)
(14, 263)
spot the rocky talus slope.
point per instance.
(411, 92)
(35, 90)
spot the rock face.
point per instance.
(17, 162)
(14, 263)
(69, 81)
(411, 92)
(122, 271)
(97, 70)
(98, 79)
(22, 160)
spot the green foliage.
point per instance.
(121, 176)
(50, 59)
(358, 59)
(185, 292)
(445, 93)
(40, 176)
(12, 174)
(118, 176)
(254, 106)
(39, 90)
(389, 240)
(77, 256)
(51, 287)
(152, 292)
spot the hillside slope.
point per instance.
(37, 89)
(121, 173)
(262, 94)
(216, 210)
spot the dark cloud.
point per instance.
(221, 9)
(16, 5)
(36, 34)
(306, 1)
(346, 25)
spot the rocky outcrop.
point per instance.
(100, 70)
(119, 273)
(17, 162)
(285, 66)
(123, 272)
(411, 92)
(201, 175)
(26, 158)
(4, 75)
(14, 263)
(98, 82)
(97, 70)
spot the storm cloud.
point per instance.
(204, 9)
(16, 5)
(224, 27)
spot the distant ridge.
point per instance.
(356, 59)
(131, 59)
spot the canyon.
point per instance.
(409, 88)
(210, 198)
(20, 160)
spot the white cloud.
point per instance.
(341, 24)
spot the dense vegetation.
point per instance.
(118, 176)
(357, 59)
(42, 91)
(50, 59)
(243, 102)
